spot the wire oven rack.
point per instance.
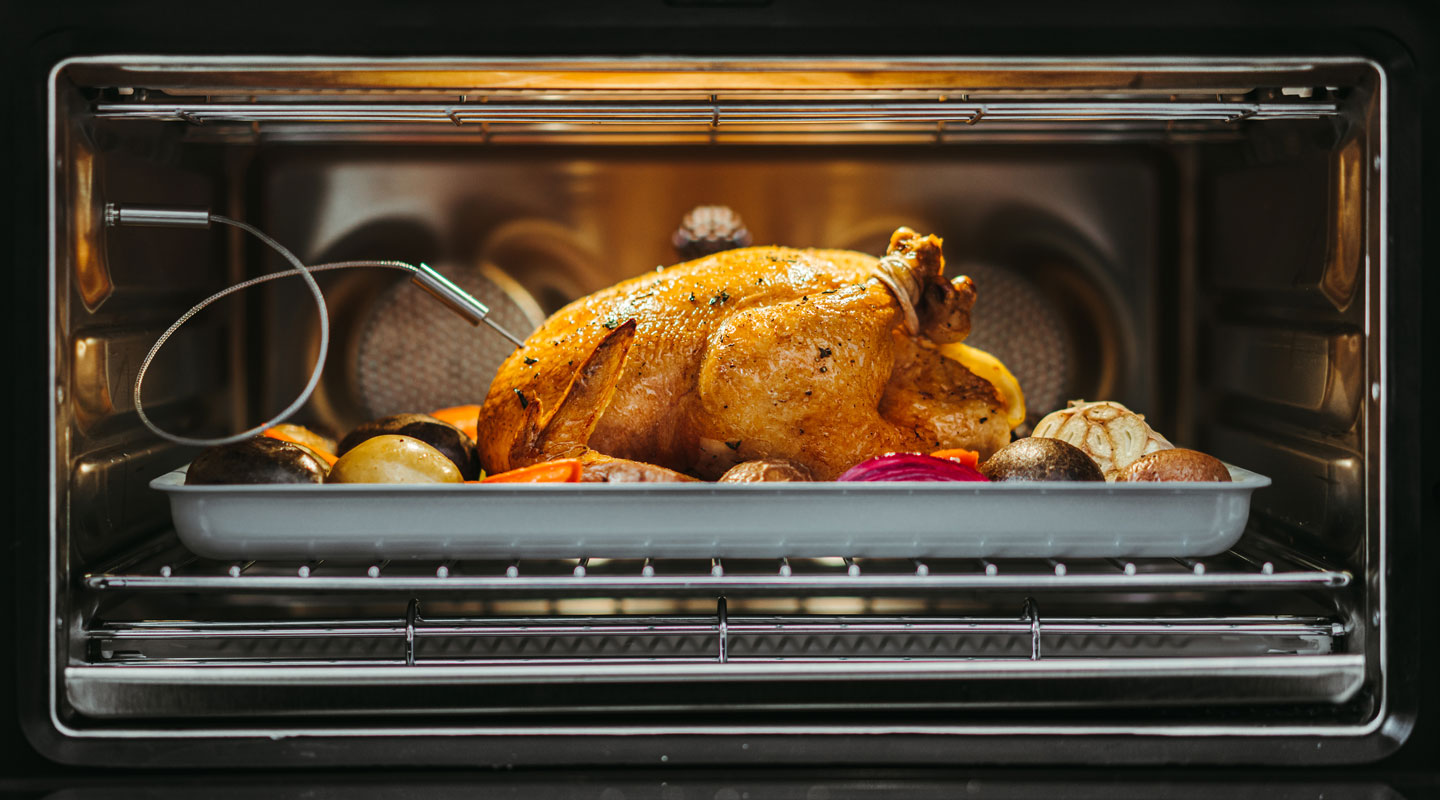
(165, 566)
(718, 638)
(369, 632)
(717, 113)
(837, 117)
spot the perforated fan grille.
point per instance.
(1017, 324)
(415, 356)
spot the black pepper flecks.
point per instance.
(735, 445)
(824, 352)
(523, 401)
(529, 360)
(611, 324)
(824, 369)
(692, 297)
(719, 298)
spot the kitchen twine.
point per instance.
(300, 270)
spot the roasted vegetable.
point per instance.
(463, 417)
(566, 470)
(910, 467)
(991, 369)
(443, 436)
(258, 460)
(767, 470)
(969, 458)
(322, 446)
(1108, 432)
(1177, 464)
(391, 458)
(1040, 459)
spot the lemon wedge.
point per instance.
(989, 367)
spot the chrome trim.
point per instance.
(799, 670)
(1274, 678)
(718, 113)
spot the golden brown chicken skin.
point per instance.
(821, 357)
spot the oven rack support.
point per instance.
(720, 638)
(719, 113)
(166, 567)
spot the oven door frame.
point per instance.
(1404, 506)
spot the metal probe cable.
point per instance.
(437, 285)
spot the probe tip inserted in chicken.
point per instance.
(821, 357)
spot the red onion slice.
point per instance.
(910, 467)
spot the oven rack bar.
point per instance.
(685, 626)
(720, 637)
(167, 567)
(872, 134)
(719, 113)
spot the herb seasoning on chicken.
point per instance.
(674, 383)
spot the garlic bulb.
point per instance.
(1108, 432)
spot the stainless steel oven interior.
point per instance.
(1201, 239)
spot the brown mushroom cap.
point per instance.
(1177, 464)
(257, 460)
(767, 469)
(441, 435)
(1040, 459)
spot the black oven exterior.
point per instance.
(1401, 39)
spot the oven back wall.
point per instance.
(1063, 244)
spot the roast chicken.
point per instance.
(823, 358)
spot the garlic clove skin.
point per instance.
(1108, 432)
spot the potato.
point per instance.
(448, 439)
(1041, 459)
(1178, 464)
(258, 460)
(766, 469)
(391, 458)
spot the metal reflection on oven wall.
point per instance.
(92, 270)
(1345, 255)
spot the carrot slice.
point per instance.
(330, 458)
(969, 458)
(563, 471)
(466, 418)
